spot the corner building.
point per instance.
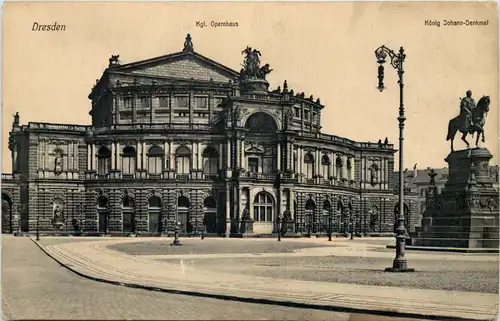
(182, 139)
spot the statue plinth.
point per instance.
(254, 87)
(465, 214)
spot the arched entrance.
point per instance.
(183, 215)
(263, 212)
(6, 214)
(154, 215)
(325, 218)
(128, 214)
(210, 215)
(103, 213)
(310, 207)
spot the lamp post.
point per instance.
(400, 263)
(38, 227)
(79, 208)
(176, 241)
(351, 222)
(330, 214)
(279, 227)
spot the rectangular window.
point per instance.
(144, 102)
(155, 165)
(182, 102)
(128, 165)
(201, 102)
(306, 114)
(103, 165)
(163, 101)
(127, 102)
(297, 112)
(253, 165)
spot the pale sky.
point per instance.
(324, 49)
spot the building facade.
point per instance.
(181, 140)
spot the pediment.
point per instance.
(187, 65)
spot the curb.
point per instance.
(260, 301)
(447, 249)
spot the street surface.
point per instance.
(35, 287)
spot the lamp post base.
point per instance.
(176, 243)
(399, 266)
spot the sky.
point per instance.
(325, 49)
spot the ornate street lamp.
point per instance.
(176, 241)
(397, 59)
(79, 208)
(351, 223)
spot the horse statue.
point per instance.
(478, 119)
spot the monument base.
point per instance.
(465, 215)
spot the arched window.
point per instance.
(154, 202)
(210, 161)
(182, 160)
(155, 160)
(310, 207)
(309, 162)
(128, 202)
(128, 160)
(261, 122)
(263, 207)
(325, 166)
(349, 165)
(103, 161)
(339, 166)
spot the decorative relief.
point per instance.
(254, 147)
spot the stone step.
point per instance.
(455, 242)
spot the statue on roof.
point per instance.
(16, 120)
(188, 44)
(114, 61)
(251, 65)
(432, 176)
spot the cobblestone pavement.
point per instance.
(211, 246)
(467, 276)
(36, 287)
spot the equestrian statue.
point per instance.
(471, 119)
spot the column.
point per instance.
(117, 108)
(117, 157)
(138, 156)
(331, 170)
(152, 110)
(134, 108)
(344, 168)
(300, 159)
(171, 155)
(353, 168)
(143, 156)
(113, 156)
(237, 152)
(200, 152)
(318, 162)
(89, 157)
(278, 156)
(228, 213)
(243, 158)
(166, 158)
(94, 158)
(291, 197)
(14, 158)
(386, 173)
(228, 154)
(75, 156)
(335, 174)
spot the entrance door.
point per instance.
(127, 222)
(183, 219)
(6, 217)
(154, 222)
(210, 221)
(102, 222)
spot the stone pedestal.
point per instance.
(254, 86)
(465, 214)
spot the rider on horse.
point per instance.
(467, 105)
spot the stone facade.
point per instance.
(179, 139)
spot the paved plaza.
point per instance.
(308, 272)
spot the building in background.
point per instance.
(183, 141)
